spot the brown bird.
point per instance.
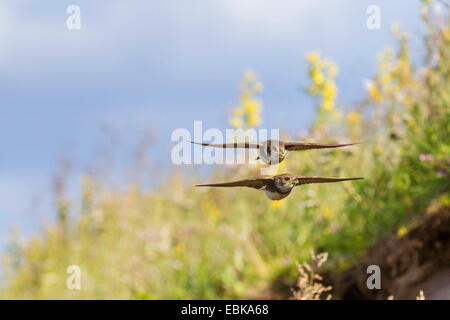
(273, 151)
(276, 187)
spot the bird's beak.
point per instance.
(296, 181)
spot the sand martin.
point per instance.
(273, 151)
(276, 187)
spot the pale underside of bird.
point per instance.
(276, 187)
(274, 151)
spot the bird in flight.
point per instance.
(276, 187)
(273, 151)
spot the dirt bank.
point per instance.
(418, 260)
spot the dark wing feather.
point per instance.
(256, 183)
(307, 180)
(247, 145)
(295, 146)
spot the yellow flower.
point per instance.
(322, 73)
(277, 204)
(327, 212)
(237, 122)
(248, 113)
(402, 231)
(180, 248)
(251, 106)
(253, 120)
(395, 27)
(373, 91)
(317, 77)
(313, 57)
(328, 105)
(213, 211)
(446, 34)
(386, 79)
(353, 117)
(329, 90)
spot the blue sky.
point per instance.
(139, 66)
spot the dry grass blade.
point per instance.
(309, 286)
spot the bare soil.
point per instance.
(418, 260)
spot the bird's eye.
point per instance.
(286, 179)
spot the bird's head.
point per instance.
(285, 181)
(271, 152)
(282, 155)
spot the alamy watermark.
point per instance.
(73, 281)
(373, 21)
(73, 22)
(374, 280)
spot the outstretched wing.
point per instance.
(295, 146)
(252, 145)
(256, 183)
(307, 180)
